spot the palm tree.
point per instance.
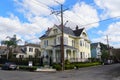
(11, 45)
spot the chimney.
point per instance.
(48, 29)
(76, 27)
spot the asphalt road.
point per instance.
(104, 72)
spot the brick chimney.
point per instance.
(76, 27)
(48, 29)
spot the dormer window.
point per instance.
(55, 31)
(84, 34)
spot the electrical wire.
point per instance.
(101, 21)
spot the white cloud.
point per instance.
(82, 14)
(39, 19)
(113, 32)
(12, 25)
(100, 39)
(32, 8)
(110, 7)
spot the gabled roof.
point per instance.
(33, 45)
(19, 49)
(66, 30)
(78, 32)
(94, 45)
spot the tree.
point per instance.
(11, 45)
(104, 51)
(104, 55)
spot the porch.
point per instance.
(70, 53)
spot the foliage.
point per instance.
(19, 61)
(69, 66)
(104, 55)
(57, 67)
(103, 46)
(67, 61)
(81, 65)
(27, 68)
(76, 65)
(104, 51)
(11, 44)
(1, 65)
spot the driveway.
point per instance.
(103, 72)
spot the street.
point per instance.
(102, 72)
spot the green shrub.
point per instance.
(75, 65)
(80, 65)
(57, 67)
(67, 61)
(1, 65)
(69, 66)
(27, 68)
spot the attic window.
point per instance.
(55, 31)
(84, 34)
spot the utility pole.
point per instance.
(62, 35)
(107, 41)
(108, 46)
(62, 39)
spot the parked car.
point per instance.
(108, 62)
(9, 66)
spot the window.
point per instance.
(65, 40)
(30, 49)
(59, 40)
(83, 43)
(55, 31)
(46, 43)
(30, 56)
(73, 43)
(84, 34)
(80, 43)
(81, 55)
(54, 41)
(21, 56)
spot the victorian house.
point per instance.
(76, 44)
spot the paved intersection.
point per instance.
(103, 72)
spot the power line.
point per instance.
(100, 21)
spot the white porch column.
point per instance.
(77, 55)
(54, 57)
(71, 55)
(65, 55)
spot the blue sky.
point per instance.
(29, 19)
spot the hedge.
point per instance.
(57, 67)
(1, 65)
(27, 68)
(81, 65)
(75, 65)
(69, 66)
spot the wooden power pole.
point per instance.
(62, 35)
(62, 39)
(108, 46)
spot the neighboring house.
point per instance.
(28, 51)
(76, 44)
(96, 50)
(3, 51)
